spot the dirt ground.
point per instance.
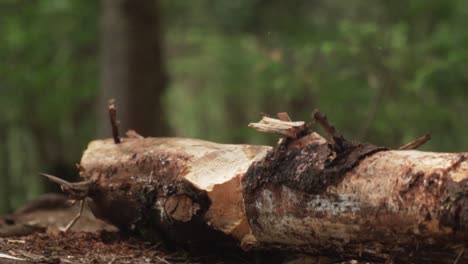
(33, 235)
(80, 247)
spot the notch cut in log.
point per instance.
(336, 198)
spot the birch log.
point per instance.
(340, 199)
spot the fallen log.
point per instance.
(329, 197)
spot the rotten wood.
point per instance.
(338, 198)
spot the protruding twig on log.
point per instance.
(77, 191)
(459, 255)
(337, 142)
(114, 122)
(75, 219)
(416, 143)
(322, 120)
(281, 127)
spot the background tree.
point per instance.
(384, 71)
(132, 66)
(47, 82)
(368, 64)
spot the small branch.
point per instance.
(459, 255)
(75, 219)
(416, 143)
(62, 183)
(322, 120)
(276, 126)
(114, 122)
(76, 190)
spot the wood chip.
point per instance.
(16, 241)
(276, 126)
(6, 256)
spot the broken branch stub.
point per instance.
(113, 121)
(416, 143)
(77, 190)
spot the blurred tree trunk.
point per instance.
(132, 66)
(5, 203)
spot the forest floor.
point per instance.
(32, 235)
(81, 247)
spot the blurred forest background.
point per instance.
(383, 71)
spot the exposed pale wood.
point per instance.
(214, 168)
(280, 127)
(283, 116)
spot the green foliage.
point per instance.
(384, 71)
(47, 85)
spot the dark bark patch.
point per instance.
(148, 196)
(310, 169)
(455, 165)
(414, 181)
(454, 206)
(454, 200)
